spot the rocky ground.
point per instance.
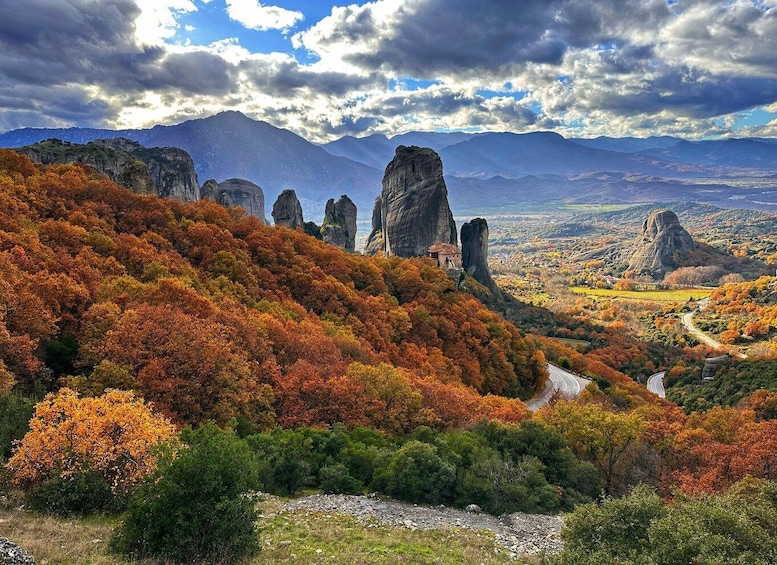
(521, 534)
(11, 554)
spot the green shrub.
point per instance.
(15, 414)
(85, 492)
(739, 527)
(335, 479)
(500, 486)
(196, 506)
(415, 472)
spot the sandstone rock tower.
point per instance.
(287, 211)
(375, 239)
(474, 253)
(339, 225)
(236, 192)
(656, 249)
(414, 204)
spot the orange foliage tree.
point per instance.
(113, 434)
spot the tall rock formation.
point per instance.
(414, 203)
(339, 225)
(171, 169)
(236, 192)
(375, 239)
(656, 249)
(474, 253)
(287, 211)
(164, 171)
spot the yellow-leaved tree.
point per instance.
(113, 434)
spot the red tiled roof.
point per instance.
(445, 249)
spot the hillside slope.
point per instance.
(213, 315)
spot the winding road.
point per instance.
(560, 380)
(701, 336)
(655, 384)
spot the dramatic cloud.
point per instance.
(586, 67)
(253, 15)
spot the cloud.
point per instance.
(254, 15)
(586, 67)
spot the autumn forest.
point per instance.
(135, 330)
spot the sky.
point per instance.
(323, 69)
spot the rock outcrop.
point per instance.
(414, 204)
(339, 225)
(12, 554)
(287, 211)
(657, 248)
(236, 192)
(164, 171)
(375, 239)
(474, 253)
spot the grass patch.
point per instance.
(310, 537)
(677, 295)
(60, 541)
(316, 537)
(577, 344)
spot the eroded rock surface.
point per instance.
(657, 248)
(474, 253)
(375, 239)
(339, 225)
(169, 170)
(236, 192)
(287, 211)
(414, 204)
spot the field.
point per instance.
(678, 295)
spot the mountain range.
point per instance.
(485, 172)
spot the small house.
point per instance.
(446, 256)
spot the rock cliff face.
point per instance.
(662, 238)
(474, 253)
(236, 192)
(169, 171)
(414, 204)
(339, 225)
(287, 211)
(374, 243)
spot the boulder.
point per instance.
(414, 204)
(236, 192)
(12, 554)
(375, 239)
(287, 211)
(474, 253)
(656, 250)
(339, 225)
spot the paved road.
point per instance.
(655, 384)
(560, 380)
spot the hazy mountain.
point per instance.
(377, 150)
(483, 171)
(516, 155)
(626, 144)
(231, 145)
(739, 153)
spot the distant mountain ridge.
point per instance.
(484, 171)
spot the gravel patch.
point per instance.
(522, 534)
